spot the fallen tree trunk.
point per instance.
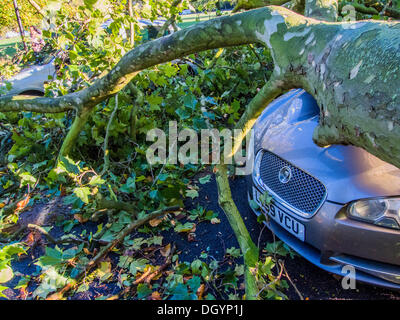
(351, 69)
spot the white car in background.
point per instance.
(31, 80)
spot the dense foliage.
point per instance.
(206, 89)
(29, 16)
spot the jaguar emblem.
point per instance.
(285, 174)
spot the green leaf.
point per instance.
(205, 179)
(51, 257)
(261, 218)
(278, 248)
(23, 282)
(89, 3)
(2, 288)
(192, 193)
(6, 274)
(83, 193)
(229, 276)
(154, 102)
(169, 70)
(143, 291)
(129, 186)
(234, 252)
(96, 180)
(138, 265)
(104, 271)
(184, 227)
(265, 198)
(27, 178)
(153, 194)
(194, 283)
(69, 165)
(52, 281)
(196, 265)
(183, 113)
(254, 205)
(190, 101)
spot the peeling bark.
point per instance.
(253, 4)
(335, 62)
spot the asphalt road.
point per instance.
(312, 282)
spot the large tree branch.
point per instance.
(253, 4)
(222, 32)
(336, 62)
(10, 103)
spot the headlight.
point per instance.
(383, 212)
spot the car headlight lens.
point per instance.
(368, 209)
(382, 212)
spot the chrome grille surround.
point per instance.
(303, 194)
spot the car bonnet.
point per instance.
(286, 127)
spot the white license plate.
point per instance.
(284, 219)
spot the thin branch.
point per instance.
(105, 146)
(120, 238)
(292, 283)
(116, 205)
(268, 285)
(170, 21)
(360, 8)
(49, 237)
(202, 36)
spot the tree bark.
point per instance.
(253, 4)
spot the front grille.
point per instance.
(302, 192)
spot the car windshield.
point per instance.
(46, 60)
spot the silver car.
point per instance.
(336, 206)
(31, 80)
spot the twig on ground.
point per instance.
(168, 261)
(105, 146)
(292, 283)
(120, 238)
(259, 237)
(71, 239)
(272, 282)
